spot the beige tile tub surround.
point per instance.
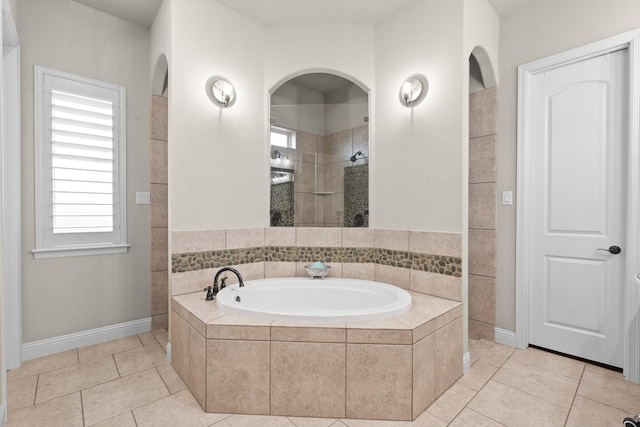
(393, 243)
(389, 369)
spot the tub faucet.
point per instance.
(222, 270)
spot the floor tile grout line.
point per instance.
(533, 395)
(113, 357)
(566, 420)
(84, 423)
(481, 414)
(219, 421)
(543, 368)
(42, 372)
(476, 392)
(142, 405)
(140, 339)
(35, 393)
(485, 384)
(623, 379)
(165, 383)
(633, 413)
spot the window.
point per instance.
(281, 137)
(80, 165)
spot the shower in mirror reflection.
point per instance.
(320, 121)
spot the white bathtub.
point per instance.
(306, 300)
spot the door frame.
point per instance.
(10, 192)
(631, 312)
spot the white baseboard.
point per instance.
(46, 347)
(466, 363)
(169, 352)
(504, 337)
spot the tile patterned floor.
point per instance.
(128, 383)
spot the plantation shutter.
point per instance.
(81, 163)
(81, 149)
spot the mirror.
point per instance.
(319, 153)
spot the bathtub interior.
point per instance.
(306, 300)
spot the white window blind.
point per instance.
(80, 162)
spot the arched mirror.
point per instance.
(319, 153)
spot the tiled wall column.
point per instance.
(159, 219)
(482, 214)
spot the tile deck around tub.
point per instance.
(219, 354)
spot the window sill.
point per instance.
(75, 251)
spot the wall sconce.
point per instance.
(413, 90)
(223, 92)
(280, 160)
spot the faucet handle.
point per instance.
(223, 283)
(210, 294)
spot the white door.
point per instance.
(578, 205)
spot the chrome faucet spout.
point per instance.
(232, 270)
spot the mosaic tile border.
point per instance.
(447, 265)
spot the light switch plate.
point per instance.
(143, 198)
(507, 198)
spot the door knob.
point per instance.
(613, 249)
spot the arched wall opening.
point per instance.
(481, 70)
(159, 186)
(160, 77)
(482, 197)
(319, 134)
(299, 73)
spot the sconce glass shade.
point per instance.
(412, 91)
(223, 92)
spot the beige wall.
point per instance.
(218, 158)
(13, 4)
(66, 295)
(417, 152)
(543, 29)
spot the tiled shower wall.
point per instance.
(424, 262)
(482, 214)
(159, 217)
(356, 196)
(319, 163)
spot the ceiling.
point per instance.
(506, 7)
(321, 82)
(309, 12)
(141, 12)
(282, 12)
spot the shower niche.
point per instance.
(319, 153)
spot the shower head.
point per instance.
(354, 157)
